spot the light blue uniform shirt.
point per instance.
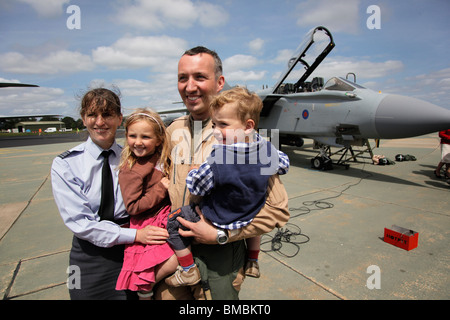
(76, 182)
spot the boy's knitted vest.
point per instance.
(240, 181)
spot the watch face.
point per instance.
(222, 239)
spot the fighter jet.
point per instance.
(340, 112)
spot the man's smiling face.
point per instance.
(197, 83)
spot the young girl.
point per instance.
(142, 179)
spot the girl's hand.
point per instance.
(165, 181)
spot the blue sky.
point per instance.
(136, 44)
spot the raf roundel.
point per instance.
(305, 114)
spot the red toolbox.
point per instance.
(401, 237)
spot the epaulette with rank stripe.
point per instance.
(65, 154)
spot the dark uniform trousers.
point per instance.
(99, 269)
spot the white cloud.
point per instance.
(241, 77)
(239, 61)
(364, 69)
(9, 80)
(445, 83)
(32, 101)
(433, 87)
(340, 66)
(256, 45)
(47, 8)
(158, 14)
(283, 57)
(210, 15)
(135, 88)
(338, 16)
(59, 61)
(158, 93)
(159, 53)
(159, 89)
(236, 69)
(436, 75)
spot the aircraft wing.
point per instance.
(30, 116)
(6, 84)
(177, 110)
(268, 102)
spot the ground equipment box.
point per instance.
(401, 237)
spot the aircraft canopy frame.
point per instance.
(306, 55)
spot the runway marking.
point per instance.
(426, 143)
(29, 155)
(12, 150)
(313, 280)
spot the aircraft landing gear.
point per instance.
(321, 163)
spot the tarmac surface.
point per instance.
(335, 250)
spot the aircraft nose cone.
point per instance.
(402, 117)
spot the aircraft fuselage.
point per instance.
(346, 117)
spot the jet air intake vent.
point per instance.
(347, 129)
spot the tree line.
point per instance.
(70, 123)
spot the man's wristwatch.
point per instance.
(222, 236)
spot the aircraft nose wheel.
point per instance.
(321, 163)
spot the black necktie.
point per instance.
(106, 211)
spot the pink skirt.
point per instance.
(138, 270)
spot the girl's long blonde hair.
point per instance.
(154, 120)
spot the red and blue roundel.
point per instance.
(305, 114)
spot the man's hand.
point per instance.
(202, 231)
(152, 235)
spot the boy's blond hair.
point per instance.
(249, 105)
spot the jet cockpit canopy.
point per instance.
(341, 84)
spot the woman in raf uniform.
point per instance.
(97, 217)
